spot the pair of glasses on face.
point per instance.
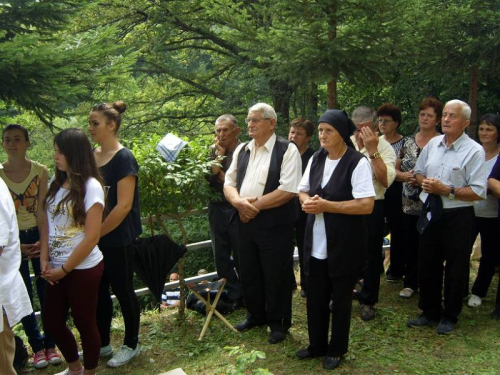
(255, 120)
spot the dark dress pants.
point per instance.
(411, 239)
(224, 234)
(490, 254)
(371, 275)
(266, 257)
(300, 229)
(446, 240)
(322, 288)
(393, 212)
(119, 273)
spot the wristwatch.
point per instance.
(452, 192)
(375, 155)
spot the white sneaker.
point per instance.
(474, 301)
(406, 293)
(123, 356)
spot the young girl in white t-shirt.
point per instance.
(71, 262)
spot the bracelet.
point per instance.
(64, 270)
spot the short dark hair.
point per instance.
(17, 127)
(431, 102)
(303, 123)
(392, 110)
(492, 120)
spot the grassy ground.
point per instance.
(382, 346)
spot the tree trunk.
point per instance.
(281, 92)
(331, 94)
(473, 92)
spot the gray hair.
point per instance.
(363, 114)
(265, 109)
(229, 118)
(466, 111)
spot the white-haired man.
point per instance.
(261, 184)
(451, 174)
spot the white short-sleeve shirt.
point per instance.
(64, 235)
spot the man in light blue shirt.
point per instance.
(449, 167)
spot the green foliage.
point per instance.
(244, 359)
(173, 188)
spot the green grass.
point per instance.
(382, 346)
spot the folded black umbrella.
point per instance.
(154, 259)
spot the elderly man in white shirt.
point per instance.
(260, 184)
(450, 170)
(14, 300)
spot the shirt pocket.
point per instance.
(457, 177)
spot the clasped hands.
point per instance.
(52, 275)
(314, 205)
(434, 186)
(246, 209)
(32, 250)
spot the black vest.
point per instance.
(273, 217)
(346, 235)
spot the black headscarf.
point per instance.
(341, 122)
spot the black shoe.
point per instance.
(306, 354)
(276, 337)
(303, 293)
(445, 327)
(421, 321)
(392, 279)
(330, 363)
(367, 312)
(246, 325)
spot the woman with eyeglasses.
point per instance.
(389, 120)
(429, 117)
(120, 228)
(337, 193)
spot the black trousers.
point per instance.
(119, 273)
(224, 234)
(444, 250)
(300, 229)
(371, 275)
(393, 213)
(490, 254)
(322, 288)
(266, 259)
(411, 238)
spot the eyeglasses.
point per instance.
(255, 120)
(384, 121)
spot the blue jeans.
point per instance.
(30, 325)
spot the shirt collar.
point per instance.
(268, 145)
(455, 145)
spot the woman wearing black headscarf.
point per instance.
(336, 192)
